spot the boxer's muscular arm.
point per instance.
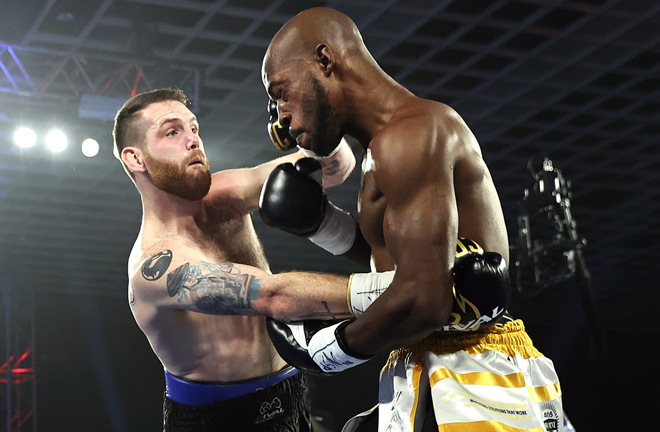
(183, 278)
(335, 170)
(248, 181)
(420, 227)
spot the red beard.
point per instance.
(178, 180)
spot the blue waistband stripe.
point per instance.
(203, 393)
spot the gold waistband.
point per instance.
(510, 339)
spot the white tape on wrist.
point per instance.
(310, 153)
(337, 231)
(365, 288)
(337, 166)
(326, 352)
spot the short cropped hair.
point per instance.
(128, 131)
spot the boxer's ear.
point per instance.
(326, 58)
(133, 159)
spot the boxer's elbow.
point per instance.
(432, 307)
(283, 310)
(414, 314)
(275, 299)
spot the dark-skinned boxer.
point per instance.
(424, 184)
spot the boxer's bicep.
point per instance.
(189, 281)
(420, 223)
(422, 255)
(420, 227)
(249, 181)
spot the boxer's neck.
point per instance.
(371, 98)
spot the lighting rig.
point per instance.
(549, 249)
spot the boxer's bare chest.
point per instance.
(228, 235)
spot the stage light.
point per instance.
(25, 137)
(56, 141)
(90, 147)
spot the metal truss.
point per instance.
(45, 73)
(17, 370)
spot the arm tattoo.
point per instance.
(156, 265)
(328, 314)
(330, 169)
(219, 289)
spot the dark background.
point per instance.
(577, 80)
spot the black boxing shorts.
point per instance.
(272, 403)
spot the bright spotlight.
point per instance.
(56, 141)
(25, 137)
(90, 147)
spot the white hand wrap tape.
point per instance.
(325, 351)
(365, 288)
(337, 231)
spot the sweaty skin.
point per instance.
(199, 283)
(424, 178)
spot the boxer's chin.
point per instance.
(324, 142)
(196, 188)
(189, 183)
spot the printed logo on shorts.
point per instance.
(550, 417)
(396, 423)
(269, 410)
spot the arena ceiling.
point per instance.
(577, 80)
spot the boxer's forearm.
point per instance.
(300, 296)
(400, 316)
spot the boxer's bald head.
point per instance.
(312, 65)
(301, 38)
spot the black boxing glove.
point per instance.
(292, 200)
(482, 288)
(317, 347)
(279, 134)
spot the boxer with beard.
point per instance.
(199, 283)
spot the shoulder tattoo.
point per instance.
(156, 265)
